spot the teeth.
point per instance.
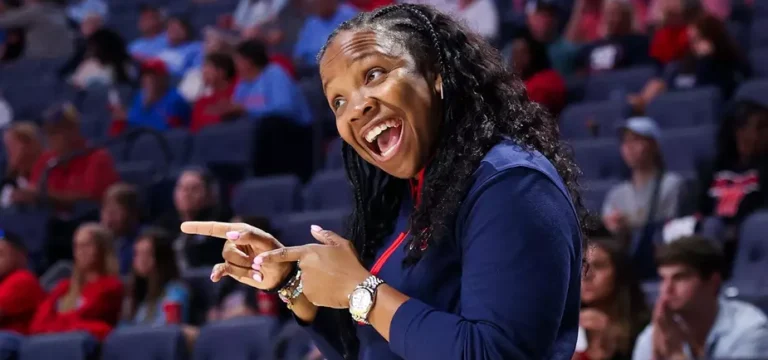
(374, 132)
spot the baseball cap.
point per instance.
(643, 126)
(154, 66)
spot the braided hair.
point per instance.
(483, 104)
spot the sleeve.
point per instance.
(752, 344)
(300, 52)
(19, 18)
(278, 97)
(516, 277)
(37, 170)
(20, 295)
(324, 332)
(135, 112)
(609, 204)
(668, 207)
(644, 345)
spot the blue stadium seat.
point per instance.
(10, 342)
(759, 60)
(292, 343)
(64, 346)
(690, 108)
(328, 190)
(593, 194)
(598, 159)
(591, 119)
(751, 255)
(755, 90)
(333, 158)
(204, 292)
(140, 173)
(684, 149)
(228, 143)
(618, 83)
(144, 342)
(32, 226)
(148, 148)
(759, 33)
(267, 196)
(294, 228)
(245, 338)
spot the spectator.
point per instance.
(531, 62)
(156, 296)
(157, 105)
(6, 112)
(670, 41)
(153, 40)
(90, 299)
(734, 186)
(619, 47)
(83, 9)
(613, 306)
(195, 198)
(47, 35)
(689, 319)
(714, 60)
(543, 23)
(481, 16)
(265, 89)
(182, 50)
(584, 25)
(326, 16)
(276, 23)
(83, 178)
(89, 26)
(120, 213)
(219, 77)
(192, 86)
(20, 292)
(22, 149)
(107, 61)
(651, 195)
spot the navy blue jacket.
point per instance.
(505, 286)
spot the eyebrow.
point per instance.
(362, 56)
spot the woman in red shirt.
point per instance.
(219, 77)
(91, 299)
(531, 62)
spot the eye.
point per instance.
(373, 74)
(338, 102)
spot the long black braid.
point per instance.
(483, 104)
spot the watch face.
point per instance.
(360, 301)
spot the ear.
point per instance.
(439, 86)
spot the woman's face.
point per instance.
(385, 107)
(16, 150)
(143, 257)
(636, 150)
(752, 137)
(190, 194)
(599, 283)
(614, 20)
(85, 251)
(521, 56)
(699, 44)
(115, 217)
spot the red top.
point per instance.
(548, 89)
(97, 310)
(202, 112)
(370, 5)
(669, 43)
(20, 295)
(90, 174)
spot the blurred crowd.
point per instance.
(673, 247)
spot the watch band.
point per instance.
(370, 284)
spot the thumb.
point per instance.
(326, 237)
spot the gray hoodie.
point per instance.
(47, 32)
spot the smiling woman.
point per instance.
(465, 240)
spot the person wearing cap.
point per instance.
(81, 178)
(651, 194)
(153, 39)
(157, 105)
(20, 291)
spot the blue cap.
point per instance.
(643, 126)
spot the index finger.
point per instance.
(211, 228)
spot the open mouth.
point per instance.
(383, 139)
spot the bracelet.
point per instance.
(285, 281)
(291, 291)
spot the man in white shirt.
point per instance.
(480, 16)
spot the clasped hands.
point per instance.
(671, 334)
(330, 269)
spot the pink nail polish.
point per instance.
(315, 228)
(257, 277)
(258, 260)
(256, 267)
(233, 235)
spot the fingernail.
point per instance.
(233, 235)
(258, 260)
(315, 228)
(211, 276)
(256, 266)
(257, 277)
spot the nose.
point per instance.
(364, 108)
